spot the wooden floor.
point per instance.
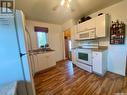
(66, 79)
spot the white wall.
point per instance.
(116, 53)
(68, 24)
(55, 37)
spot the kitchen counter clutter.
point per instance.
(40, 51)
(8, 89)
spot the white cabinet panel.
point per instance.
(44, 61)
(101, 26)
(74, 36)
(99, 62)
(33, 62)
(100, 23)
(35, 65)
(81, 27)
(90, 24)
(51, 59)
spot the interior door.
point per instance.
(66, 48)
(67, 37)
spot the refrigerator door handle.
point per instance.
(22, 54)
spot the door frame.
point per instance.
(69, 29)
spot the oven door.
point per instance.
(84, 56)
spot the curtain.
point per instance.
(40, 29)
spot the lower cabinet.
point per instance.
(51, 60)
(45, 61)
(42, 62)
(99, 62)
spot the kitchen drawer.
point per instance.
(84, 67)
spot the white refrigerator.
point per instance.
(14, 62)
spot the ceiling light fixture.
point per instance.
(62, 2)
(69, 0)
(66, 3)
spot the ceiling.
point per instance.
(42, 10)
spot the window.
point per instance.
(42, 35)
(42, 38)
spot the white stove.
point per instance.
(84, 56)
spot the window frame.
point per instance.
(39, 29)
(38, 42)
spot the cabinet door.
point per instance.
(32, 62)
(97, 62)
(90, 24)
(101, 26)
(81, 26)
(74, 35)
(51, 60)
(35, 63)
(42, 62)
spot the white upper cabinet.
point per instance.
(74, 35)
(90, 24)
(73, 32)
(101, 26)
(100, 23)
(81, 27)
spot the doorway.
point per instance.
(67, 40)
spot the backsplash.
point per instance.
(100, 42)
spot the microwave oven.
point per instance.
(87, 34)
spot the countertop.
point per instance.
(8, 89)
(40, 51)
(100, 49)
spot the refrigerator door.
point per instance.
(10, 65)
(22, 43)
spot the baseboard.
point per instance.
(61, 60)
(45, 70)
